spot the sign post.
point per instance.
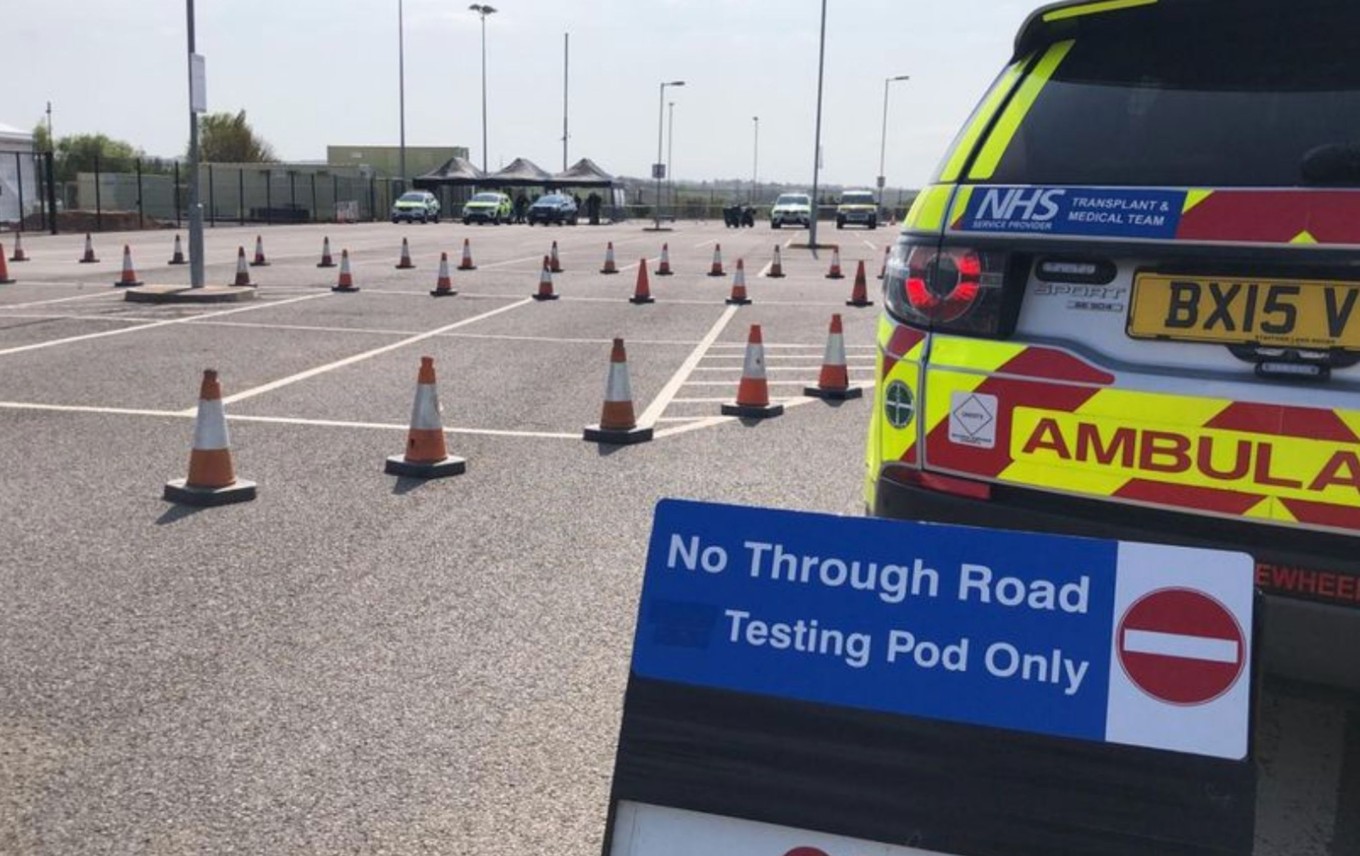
(888, 683)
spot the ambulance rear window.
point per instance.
(1208, 95)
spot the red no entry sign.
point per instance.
(1181, 646)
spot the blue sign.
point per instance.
(1097, 212)
(1004, 629)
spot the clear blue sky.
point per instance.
(316, 72)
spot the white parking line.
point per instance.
(672, 387)
(348, 361)
(54, 342)
(64, 299)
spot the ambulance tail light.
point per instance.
(949, 289)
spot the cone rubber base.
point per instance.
(6, 282)
(405, 267)
(859, 303)
(616, 436)
(447, 293)
(835, 276)
(638, 301)
(774, 276)
(344, 290)
(834, 394)
(181, 492)
(89, 261)
(397, 465)
(607, 272)
(738, 301)
(180, 262)
(134, 284)
(325, 265)
(746, 411)
(466, 267)
(716, 273)
(259, 264)
(545, 296)
(664, 273)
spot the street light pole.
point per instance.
(195, 204)
(657, 166)
(755, 160)
(817, 147)
(483, 10)
(883, 144)
(670, 149)
(401, 86)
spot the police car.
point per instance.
(1128, 304)
(857, 207)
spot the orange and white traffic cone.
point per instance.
(642, 292)
(242, 272)
(129, 277)
(466, 263)
(753, 393)
(835, 272)
(19, 254)
(259, 260)
(426, 455)
(443, 287)
(326, 260)
(5, 278)
(554, 260)
(177, 257)
(609, 266)
(738, 296)
(405, 262)
(776, 266)
(663, 268)
(545, 283)
(717, 268)
(89, 257)
(346, 280)
(618, 422)
(212, 479)
(859, 293)
(834, 381)
(883, 271)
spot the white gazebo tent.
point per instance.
(16, 171)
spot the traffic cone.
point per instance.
(776, 266)
(834, 381)
(609, 259)
(545, 283)
(717, 268)
(129, 277)
(552, 257)
(738, 296)
(443, 287)
(212, 479)
(466, 263)
(883, 271)
(89, 257)
(177, 258)
(753, 393)
(5, 278)
(859, 293)
(346, 281)
(835, 272)
(643, 292)
(19, 254)
(663, 268)
(618, 423)
(426, 456)
(405, 262)
(259, 260)
(242, 272)
(326, 260)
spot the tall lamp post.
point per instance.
(483, 10)
(883, 144)
(670, 149)
(401, 87)
(659, 166)
(817, 143)
(755, 159)
(197, 98)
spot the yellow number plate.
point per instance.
(1236, 310)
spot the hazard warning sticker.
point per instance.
(972, 419)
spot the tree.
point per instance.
(224, 138)
(41, 142)
(83, 152)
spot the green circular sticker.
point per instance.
(898, 404)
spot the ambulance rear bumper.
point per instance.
(1309, 626)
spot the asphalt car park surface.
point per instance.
(360, 663)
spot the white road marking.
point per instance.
(705, 243)
(668, 392)
(51, 316)
(348, 361)
(1181, 646)
(64, 299)
(812, 369)
(766, 270)
(52, 343)
(870, 244)
(732, 383)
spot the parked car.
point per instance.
(793, 208)
(494, 208)
(858, 207)
(414, 205)
(553, 208)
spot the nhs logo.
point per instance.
(1003, 209)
